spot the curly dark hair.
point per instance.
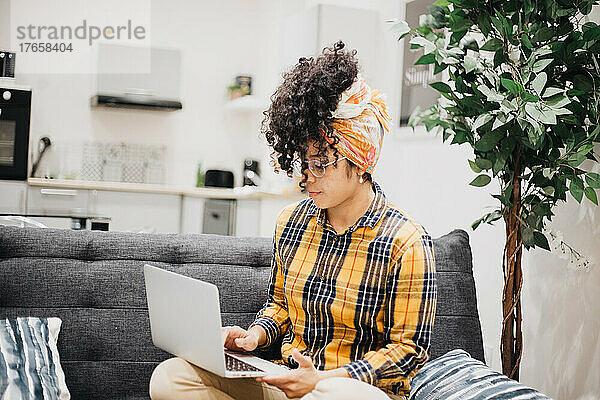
(303, 104)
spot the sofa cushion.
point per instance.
(456, 324)
(458, 376)
(29, 360)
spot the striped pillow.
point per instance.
(457, 376)
(29, 362)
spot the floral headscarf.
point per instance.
(360, 122)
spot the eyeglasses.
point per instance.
(314, 166)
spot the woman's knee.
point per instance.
(345, 388)
(167, 375)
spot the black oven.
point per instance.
(15, 109)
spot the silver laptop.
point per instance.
(185, 320)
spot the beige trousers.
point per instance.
(176, 379)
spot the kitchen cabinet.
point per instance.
(138, 212)
(51, 200)
(192, 210)
(247, 221)
(13, 197)
(147, 208)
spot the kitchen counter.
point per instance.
(238, 193)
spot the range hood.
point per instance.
(139, 102)
(137, 78)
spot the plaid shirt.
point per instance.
(363, 300)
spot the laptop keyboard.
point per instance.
(233, 364)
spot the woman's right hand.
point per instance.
(238, 339)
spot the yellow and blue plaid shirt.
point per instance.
(363, 299)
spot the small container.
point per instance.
(244, 83)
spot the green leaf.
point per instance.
(512, 86)
(541, 64)
(508, 191)
(591, 194)
(576, 189)
(439, 68)
(483, 163)
(558, 102)
(535, 134)
(422, 42)
(540, 113)
(540, 240)
(548, 173)
(470, 63)
(471, 45)
(442, 3)
(526, 41)
(592, 34)
(497, 23)
(492, 45)
(552, 91)
(476, 223)
(474, 167)
(461, 25)
(585, 7)
(543, 34)
(481, 180)
(489, 141)
(592, 179)
(563, 12)
(426, 59)
(493, 216)
(491, 94)
(539, 82)
(481, 120)
(500, 120)
(576, 159)
(530, 98)
(400, 27)
(527, 236)
(583, 82)
(548, 190)
(506, 147)
(441, 87)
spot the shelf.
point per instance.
(247, 103)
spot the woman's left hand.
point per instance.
(299, 381)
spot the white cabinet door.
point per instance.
(51, 200)
(13, 195)
(247, 218)
(192, 210)
(137, 212)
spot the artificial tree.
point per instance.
(522, 89)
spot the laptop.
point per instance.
(185, 320)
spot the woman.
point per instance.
(352, 291)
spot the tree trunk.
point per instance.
(512, 340)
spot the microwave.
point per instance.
(15, 110)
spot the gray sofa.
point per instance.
(94, 282)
